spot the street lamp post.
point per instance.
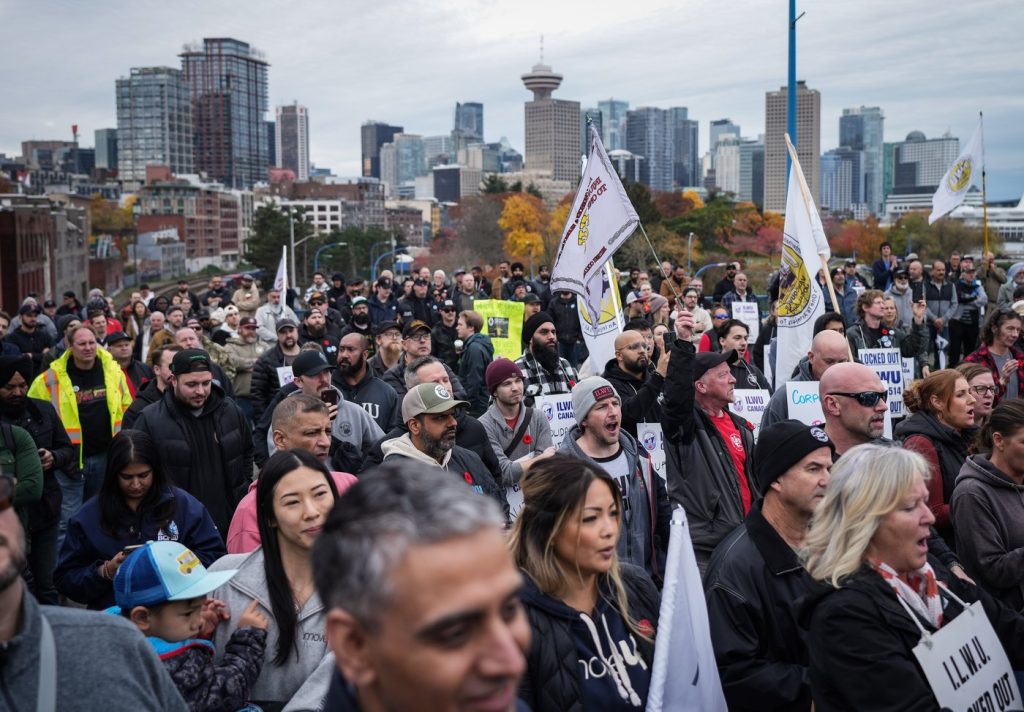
(316, 255)
(689, 254)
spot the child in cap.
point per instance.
(161, 588)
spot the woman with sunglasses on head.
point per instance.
(593, 618)
(988, 507)
(940, 429)
(709, 339)
(999, 353)
(732, 335)
(136, 503)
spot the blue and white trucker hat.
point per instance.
(163, 571)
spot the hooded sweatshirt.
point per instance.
(302, 682)
(988, 508)
(945, 449)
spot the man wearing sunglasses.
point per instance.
(90, 654)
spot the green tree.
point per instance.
(643, 203)
(493, 184)
(269, 234)
(711, 224)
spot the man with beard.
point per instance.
(388, 338)
(269, 314)
(275, 362)
(359, 319)
(674, 283)
(637, 386)
(92, 656)
(418, 305)
(544, 371)
(314, 329)
(755, 576)
(520, 436)
(335, 324)
(415, 344)
(188, 338)
(217, 295)
(354, 379)
(725, 284)
(160, 362)
(598, 439)
(201, 436)
(56, 453)
(29, 337)
(122, 348)
(242, 352)
(428, 413)
(444, 334)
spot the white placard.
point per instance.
(652, 438)
(558, 411)
(747, 313)
(751, 403)
(908, 371)
(514, 497)
(285, 375)
(888, 364)
(966, 665)
(804, 403)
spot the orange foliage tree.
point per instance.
(524, 220)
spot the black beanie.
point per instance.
(11, 364)
(782, 445)
(534, 323)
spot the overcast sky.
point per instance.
(930, 64)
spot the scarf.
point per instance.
(920, 590)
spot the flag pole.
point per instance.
(668, 278)
(984, 199)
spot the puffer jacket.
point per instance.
(553, 681)
(265, 383)
(700, 472)
(988, 508)
(147, 395)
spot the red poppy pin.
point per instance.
(645, 627)
(527, 439)
(468, 477)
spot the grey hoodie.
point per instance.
(645, 513)
(987, 508)
(302, 682)
(500, 436)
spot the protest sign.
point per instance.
(503, 323)
(558, 411)
(888, 364)
(284, 375)
(804, 403)
(747, 312)
(652, 438)
(750, 403)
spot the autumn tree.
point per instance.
(523, 221)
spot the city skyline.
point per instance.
(928, 68)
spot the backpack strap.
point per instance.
(520, 431)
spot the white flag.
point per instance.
(966, 169)
(685, 675)
(601, 219)
(599, 334)
(804, 248)
(281, 278)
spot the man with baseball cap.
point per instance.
(598, 439)
(519, 434)
(428, 410)
(418, 305)
(416, 343)
(387, 340)
(203, 438)
(755, 576)
(122, 347)
(359, 318)
(709, 450)
(240, 355)
(444, 333)
(383, 304)
(273, 364)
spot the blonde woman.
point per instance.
(593, 619)
(881, 590)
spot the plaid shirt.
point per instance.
(534, 374)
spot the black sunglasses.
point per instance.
(868, 399)
(7, 487)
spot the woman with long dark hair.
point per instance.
(999, 353)
(593, 618)
(294, 494)
(136, 503)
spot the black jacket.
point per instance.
(265, 383)
(146, 395)
(861, 642)
(39, 418)
(752, 584)
(442, 339)
(552, 681)
(699, 470)
(566, 317)
(219, 476)
(639, 397)
(412, 307)
(374, 396)
(395, 377)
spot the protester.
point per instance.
(732, 336)
(564, 315)
(598, 439)
(885, 267)
(160, 362)
(241, 354)
(136, 503)
(942, 414)
(593, 617)
(544, 371)
(999, 353)
(755, 579)
(387, 337)
(415, 344)
(294, 494)
(882, 591)
(738, 293)
(137, 374)
(964, 324)
(845, 294)
(983, 388)
(868, 332)
(202, 437)
(268, 314)
(383, 305)
(828, 348)
(358, 385)
(637, 386)
(274, 363)
(518, 433)
(708, 341)
(477, 354)
(724, 286)
(30, 337)
(988, 509)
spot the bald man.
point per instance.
(827, 349)
(637, 384)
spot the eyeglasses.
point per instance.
(983, 390)
(7, 487)
(868, 399)
(720, 316)
(421, 339)
(638, 346)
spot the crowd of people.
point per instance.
(341, 498)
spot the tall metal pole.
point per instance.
(291, 256)
(984, 196)
(791, 91)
